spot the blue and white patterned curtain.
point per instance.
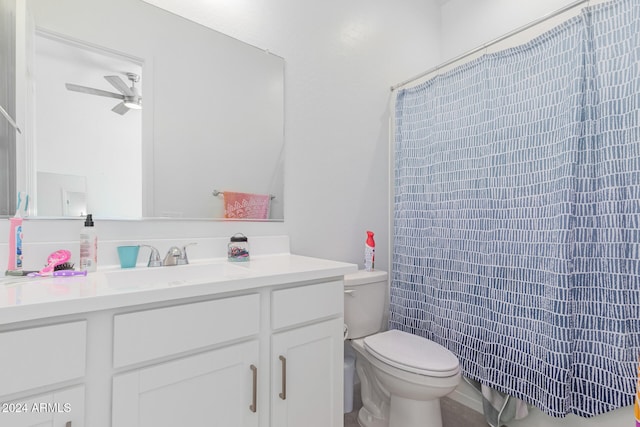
(517, 214)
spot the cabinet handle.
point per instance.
(253, 406)
(283, 395)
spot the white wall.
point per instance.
(467, 24)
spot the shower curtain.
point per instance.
(517, 214)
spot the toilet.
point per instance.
(402, 376)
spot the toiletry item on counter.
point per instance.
(18, 273)
(15, 244)
(56, 259)
(369, 252)
(128, 256)
(58, 265)
(88, 246)
(63, 273)
(238, 248)
(16, 235)
(67, 273)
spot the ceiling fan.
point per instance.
(130, 96)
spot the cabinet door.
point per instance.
(307, 376)
(63, 408)
(213, 389)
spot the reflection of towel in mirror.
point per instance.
(246, 205)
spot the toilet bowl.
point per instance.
(402, 376)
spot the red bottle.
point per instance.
(369, 252)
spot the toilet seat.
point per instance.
(412, 353)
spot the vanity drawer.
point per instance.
(155, 333)
(306, 303)
(42, 356)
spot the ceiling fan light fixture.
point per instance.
(133, 103)
(130, 97)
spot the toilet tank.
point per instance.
(365, 296)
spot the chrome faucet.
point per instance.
(154, 257)
(173, 256)
(176, 256)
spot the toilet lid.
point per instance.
(412, 353)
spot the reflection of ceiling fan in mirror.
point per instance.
(130, 96)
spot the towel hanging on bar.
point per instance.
(245, 205)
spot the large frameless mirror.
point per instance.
(211, 118)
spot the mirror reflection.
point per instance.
(211, 116)
(83, 145)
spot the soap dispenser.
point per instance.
(88, 246)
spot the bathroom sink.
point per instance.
(144, 277)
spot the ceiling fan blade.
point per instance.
(92, 91)
(119, 84)
(120, 108)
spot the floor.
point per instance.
(454, 414)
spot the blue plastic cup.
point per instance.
(128, 256)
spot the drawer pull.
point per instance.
(283, 395)
(253, 406)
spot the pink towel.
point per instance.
(246, 205)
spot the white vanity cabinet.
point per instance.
(214, 388)
(259, 346)
(212, 385)
(307, 356)
(307, 369)
(38, 369)
(226, 384)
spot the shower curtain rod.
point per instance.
(491, 43)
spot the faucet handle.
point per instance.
(173, 256)
(154, 257)
(184, 259)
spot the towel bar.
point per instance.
(220, 193)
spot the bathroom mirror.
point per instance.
(212, 114)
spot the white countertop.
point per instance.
(26, 298)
